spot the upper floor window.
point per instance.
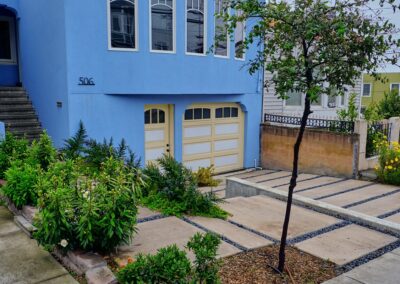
(366, 92)
(395, 87)
(195, 26)
(221, 44)
(239, 38)
(197, 113)
(162, 25)
(123, 26)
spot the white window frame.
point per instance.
(234, 42)
(173, 51)
(291, 107)
(109, 25)
(391, 86)
(228, 42)
(370, 90)
(13, 42)
(204, 30)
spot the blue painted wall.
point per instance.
(71, 41)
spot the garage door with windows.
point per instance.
(213, 135)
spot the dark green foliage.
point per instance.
(11, 149)
(390, 105)
(88, 212)
(21, 180)
(172, 189)
(42, 152)
(75, 146)
(171, 265)
(205, 248)
(351, 113)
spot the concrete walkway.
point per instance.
(22, 261)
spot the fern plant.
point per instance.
(74, 147)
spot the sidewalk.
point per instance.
(23, 261)
(383, 270)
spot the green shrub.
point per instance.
(21, 180)
(388, 170)
(171, 265)
(42, 152)
(389, 106)
(74, 146)
(204, 177)
(88, 212)
(351, 113)
(172, 189)
(11, 149)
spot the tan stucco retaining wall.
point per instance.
(322, 152)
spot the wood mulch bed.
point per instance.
(258, 266)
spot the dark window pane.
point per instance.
(227, 112)
(154, 116)
(235, 112)
(162, 28)
(195, 32)
(218, 113)
(161, 116)
(189, 114)
(197, 113)
(206, 113)
(123, 24)
(147, 117)
(5, 46)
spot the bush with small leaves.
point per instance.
(204, 177)
(11, 149)
(42, 152)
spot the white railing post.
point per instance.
(361, 128)
(394, 129)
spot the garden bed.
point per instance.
(258, 266)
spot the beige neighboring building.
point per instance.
(327, 106)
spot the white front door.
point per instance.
(158, 121)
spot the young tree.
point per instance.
(312, 47)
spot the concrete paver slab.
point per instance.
(160, 233)
(7, 225)
(311, 183)
(383, 270)
(273, 176)
(66, 279)
(285, 181)
(357, 195)
(333, 188)
(145, 212)
(253, 173)
(394, 218)
(266, 215)
(379, 206)
(345, 244)
(23, 261)
(234, 233)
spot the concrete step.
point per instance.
(22, 123)
(6, 116)
(16, 94)
(16, 108)
(368, 175)
(11, 89)
(14, 100)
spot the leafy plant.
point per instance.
(204, 177)
(173, 190)
(89, 212)
(171, 265)
(351, 113)
(372, 113)
(21, 180)
(75, 146)
(11, 149)
(42, 152)
(389, 106)
(388, 170)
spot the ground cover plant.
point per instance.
(11, 149)
(172, 189)
(172, 265)
(204, 177)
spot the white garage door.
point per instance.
(213, 135)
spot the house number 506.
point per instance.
(85, 81)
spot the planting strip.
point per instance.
(225, 239)
(261, 173)
(345, 191)
(321, 185)
(371, 198)
(254, 231)
(288, 183)
(318, 232)
(261, 181)
(370, 256)
(151, 218)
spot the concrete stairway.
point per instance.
(18, 113)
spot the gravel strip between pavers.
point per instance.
(388, 214)
(321, 185)
(318, 232)
(371, 199)
(288, 183)
(271, 179)
(370, 256)
(225, 239)
(151, 218)
(345, 191)
(259, 174)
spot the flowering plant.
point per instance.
(388, 169)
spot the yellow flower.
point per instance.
(390, 167)
(391, 161)
(396, 159)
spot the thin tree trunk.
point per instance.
(293, 183)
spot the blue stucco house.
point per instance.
(141, 70)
